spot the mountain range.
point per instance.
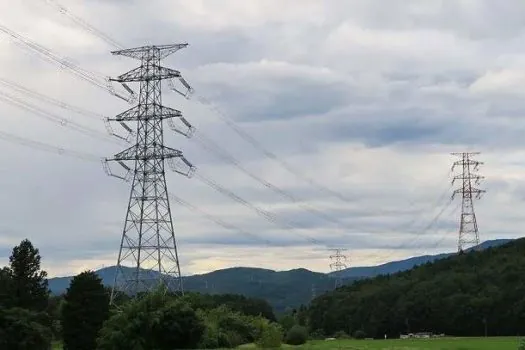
(282, 289)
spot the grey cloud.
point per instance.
(336, 95)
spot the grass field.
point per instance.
(504, 343)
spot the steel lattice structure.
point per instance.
(148, 250)
(468, 227)
(338, 265)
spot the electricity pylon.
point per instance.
(338, 265)
(468, 226)
(148, 250)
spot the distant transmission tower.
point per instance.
(338, 265)
(148, 251)
(468, 227)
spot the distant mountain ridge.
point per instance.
(407, 264)
(282, 289)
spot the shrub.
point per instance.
(287, 322)
(341, 335)
(521, 345)
(359, 334)
(271, 336)
(297, 335)
(228, 328)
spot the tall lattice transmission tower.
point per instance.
(148, 250)
(338, 265)
(468, 226)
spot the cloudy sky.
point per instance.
(365, 98)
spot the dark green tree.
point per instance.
(85, 309)
(54, 310)
(29, 283)
(156, 321)
(22, 329)
(6, 288)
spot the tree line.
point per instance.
(82, 319)
(470, 294)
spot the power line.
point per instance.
(257, 145)
(63, 105)
(422, 232)
(61, 151)
(39, 96)
(261, 212)
(45, 147)
(220, 152)
(19, 103)
(88, 27)
(47, 55)
(219, 221)
(64, 122)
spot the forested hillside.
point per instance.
(463, 295)
(282, 289)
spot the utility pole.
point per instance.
(313, 291)
(468, 227)
(148, 250)
(338, 265)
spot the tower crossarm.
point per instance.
(468, 177)
(474, 191)
(136, 152)
(154, 112)
(142, 52)
(155, 72)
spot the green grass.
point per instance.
(503, 343)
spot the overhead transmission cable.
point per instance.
(33, 109)
(79, 110)
(19, 103)
(423, 230)
(257, 145)
(284, 224)
(213, 147)
(423, 209)
(437, 243)
(61, 151)
(217, 220)
(84, 24)
(47, 55)
(45, 147)
(36, 95)
(202, 139)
